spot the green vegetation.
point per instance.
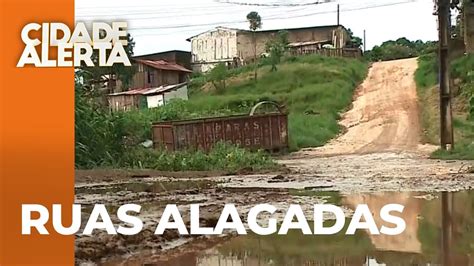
(223, 156)
(354, 41)
(314, 89)
(106, 139)
(255, 22)
(277, 48)
(399, 49)
(97, 75)
(462, 72)
(218, 76)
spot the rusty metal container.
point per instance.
(255, 131)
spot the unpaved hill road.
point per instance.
(382, 137)
(384, 116)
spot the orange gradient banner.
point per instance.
(36, 137)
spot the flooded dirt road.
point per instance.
(364, 186)
(420, 244)
(379, 159)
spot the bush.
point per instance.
(426, 75)
(399, 49)
(222, 157)
(106, 139)
(426, 78)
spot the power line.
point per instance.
(274, 4)
(146, 7)
(195, 12)
(178, 26)
(127, 16)
(155, 11)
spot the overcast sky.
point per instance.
(159, 25)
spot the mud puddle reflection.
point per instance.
(440, 231)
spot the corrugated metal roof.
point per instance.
(297, 44)
(150, 91)
(163, 65)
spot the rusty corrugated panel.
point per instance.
(265, 131)
(163, 65)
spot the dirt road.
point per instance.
(382, 136)
(384, 116)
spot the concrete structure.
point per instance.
(213, 47)
(468, 11)
(236, 46)
(147, 97)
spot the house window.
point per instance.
(151, 77)
(140, 67)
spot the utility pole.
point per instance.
(338, 15)
(365, 41)
(446, 123)
(447, 207)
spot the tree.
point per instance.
(400, 48)
(354, 41)
(277, 48)
(255, 22)
(218, 76)
(96, 75)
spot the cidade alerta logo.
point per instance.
(74, 47)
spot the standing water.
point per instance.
(439, 231)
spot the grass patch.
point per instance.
(314, 89)
(222, 156)
(463, 104)
(112, 140)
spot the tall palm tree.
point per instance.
(255, 22)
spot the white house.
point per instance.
(160, 96)
(235, 47)
(148, 97)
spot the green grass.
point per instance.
(462, 72)
(112, 140)
(463, 142)
(222, 156)
(314, 89)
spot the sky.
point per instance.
(158, 25)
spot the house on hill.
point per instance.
(152, 74)
(147, 97)
(179, 57)
(155, 82)
(235, 47)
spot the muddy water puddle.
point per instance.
(439, 231)
(143, 186)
